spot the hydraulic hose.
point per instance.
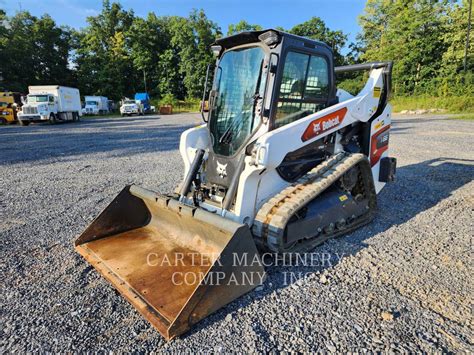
(196, 164)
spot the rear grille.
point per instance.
(30, 110)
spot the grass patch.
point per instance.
(186, 106)
(179, 106)
(452, 104)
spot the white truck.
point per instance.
(95, 105)
(50, 103)
(131, 107)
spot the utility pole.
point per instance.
(144, 79)
(468, 34)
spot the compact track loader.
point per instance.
(283, 162)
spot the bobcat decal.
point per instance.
(221, 170)
(323, 124)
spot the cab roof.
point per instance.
(253, 36)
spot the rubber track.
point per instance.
(274, 215)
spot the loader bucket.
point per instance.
(175, 264)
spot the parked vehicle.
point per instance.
(9, 105)
(112, 105)
(144, 99)
(95, 105)
(51, 103)
(131, 107)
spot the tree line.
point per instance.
(427, 41)
(117, 52)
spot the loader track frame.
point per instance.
(273, 217)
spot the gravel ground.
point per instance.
(398, 284)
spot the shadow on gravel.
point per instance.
(402, 125)
(398, 129)
(418, 119)
(108, 120)
(418, 188)
(41, 142)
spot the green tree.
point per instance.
(3, 45)
(316, 29)
(182, 52)
(171, 81)
(453, 77)
(149, 40)
(409, 32)
(52, 47)
(242, 26)
(102, 54)
(192, 38)
(33, 51)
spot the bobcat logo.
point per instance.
(221, 170)
(317, 127)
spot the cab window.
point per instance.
(304, 87)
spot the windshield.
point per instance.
(128, 102)
(37, 98)
(233, 114)
(91, 103)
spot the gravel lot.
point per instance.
(400, 283)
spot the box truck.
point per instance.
(50, 103)
(95, 105)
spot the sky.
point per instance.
(338, 14)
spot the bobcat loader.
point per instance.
(283, 162)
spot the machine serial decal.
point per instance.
(324, 124)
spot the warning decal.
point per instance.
(377, 92)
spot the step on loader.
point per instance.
(283, 161)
